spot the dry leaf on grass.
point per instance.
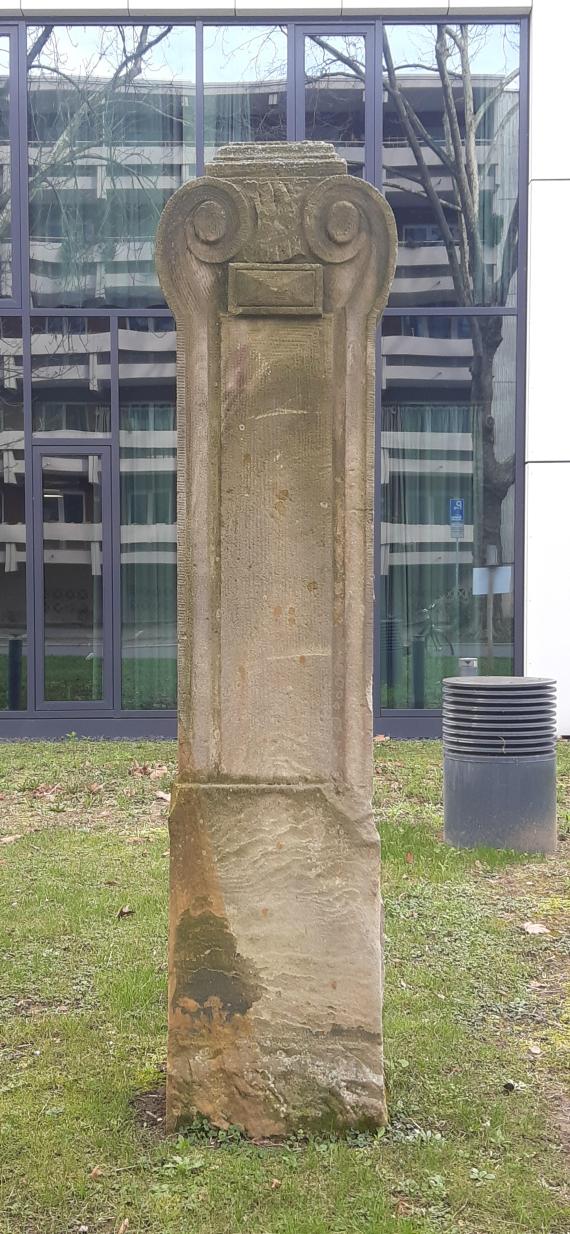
(160, 796)
(410, 858)
(275, 1183)
(534, 927)
(156, 772)
(96, 1173)
(125, 911)
(9, 839)
(123, 1226)
(46, 790)
(95, 788)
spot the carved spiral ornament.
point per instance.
(218, 220)
(335, 218)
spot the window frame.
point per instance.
(114, 719)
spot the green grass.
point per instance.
(470, 998)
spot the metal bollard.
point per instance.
(499, 762)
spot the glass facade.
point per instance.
(13, 628)
(115, 118)
(447, 512)
(147, 418)
(72, 652)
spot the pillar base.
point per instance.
(275, 972)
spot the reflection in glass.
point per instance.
(13, 654)
(5, 171)
(73, 578)
(334, 94)
(111, 128)
(147, 372)
(245, 85)
(71, 376)
(446, 551)
(450, 158)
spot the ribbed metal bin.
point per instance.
(499, 762)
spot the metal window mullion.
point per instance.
(115, 520)
(520, 382)
(199, 117)
(291, 81)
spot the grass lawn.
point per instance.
(477, 1023)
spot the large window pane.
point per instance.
(245, 87)
(72, 505)
(111, 136)
(446, 541)
(147, 376)
(450, 158)
(5, 171)
(13, 658)
(71, 376)
(334, 94)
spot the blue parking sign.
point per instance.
(456, 510)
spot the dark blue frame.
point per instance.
(113, 721)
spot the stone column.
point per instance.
(276, 265)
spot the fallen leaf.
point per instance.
(161, 796)
(123, 1226)
(9, 839)
(46, 790)
(156, 772)
(381, 737)
(535, 1049)
(83, 1229)
(125, 911)
(111, 882)
(134, 839)
(534, 927)
(139, 769)
(410, 858)
(275, 1183)
(96, 1173)
(95, 788)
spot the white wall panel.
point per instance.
(547, 579)
(181, 8)
(72, 9)
(548, 393)
(287, 8)
(549, 44)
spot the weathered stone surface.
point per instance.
(276, 265)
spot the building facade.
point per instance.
(102, 118)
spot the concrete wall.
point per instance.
(547, 581)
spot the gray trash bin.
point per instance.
(499, 762)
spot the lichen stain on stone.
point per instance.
(210, 973)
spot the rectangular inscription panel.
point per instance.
(264, 290)
(276, 532)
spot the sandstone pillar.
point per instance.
(276, 265)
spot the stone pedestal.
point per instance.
(276, 265)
